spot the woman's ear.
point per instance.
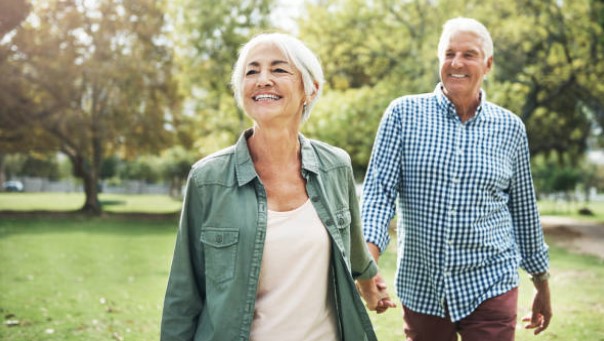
(314, 93)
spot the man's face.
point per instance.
(463, 66)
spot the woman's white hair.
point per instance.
(470, 25)
(297, 53)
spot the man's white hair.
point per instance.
(470, 25)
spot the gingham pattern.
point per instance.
(466, 205)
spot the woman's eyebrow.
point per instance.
(273, 63)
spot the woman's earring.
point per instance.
(304, 107)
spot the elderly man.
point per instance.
(467, 214)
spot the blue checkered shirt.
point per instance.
(467, 214)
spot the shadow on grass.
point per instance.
(112, 202)
(129, 224)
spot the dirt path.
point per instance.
(583, 237)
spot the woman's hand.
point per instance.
(374, 292)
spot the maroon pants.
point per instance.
(494, 319)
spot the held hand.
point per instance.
(541, 314)
(375, 294)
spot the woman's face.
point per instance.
(272, 86)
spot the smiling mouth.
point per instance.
(456, 75)
(265, 98)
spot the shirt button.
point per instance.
(456, 180)
(450, 242)
(452, 211)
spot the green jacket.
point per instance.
(212, 285)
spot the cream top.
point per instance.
(295, 298)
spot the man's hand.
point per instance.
(541, 314)
(375, 294)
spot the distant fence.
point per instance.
(70, 186)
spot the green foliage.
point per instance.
(43, 167)
(551, 178)
(205, 51)
(109, 167)
(548, 59)
(349, 119)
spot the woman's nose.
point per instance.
(264, 79)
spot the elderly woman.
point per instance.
(270, 237)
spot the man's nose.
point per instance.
(457, 60)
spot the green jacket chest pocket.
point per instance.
(220, 253)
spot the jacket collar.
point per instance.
(244, 166)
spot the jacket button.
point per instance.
(219, 239)
(341, 221)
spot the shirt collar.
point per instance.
(447, 106)
(244, 166)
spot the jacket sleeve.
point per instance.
(184, 298)
(362, 263)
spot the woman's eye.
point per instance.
(281, 71)
(251, 72)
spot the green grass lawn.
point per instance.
(61, 202)
(104, 279)
(571, 209)
(83, 279)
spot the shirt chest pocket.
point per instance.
(220, 253)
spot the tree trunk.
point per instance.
(92, 205)
(89, 176)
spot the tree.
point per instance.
(548, 62)
(176, 163)
(371, 53)
(12, 13)
(206, 50)
(88, 79)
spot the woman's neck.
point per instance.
(274, 146)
